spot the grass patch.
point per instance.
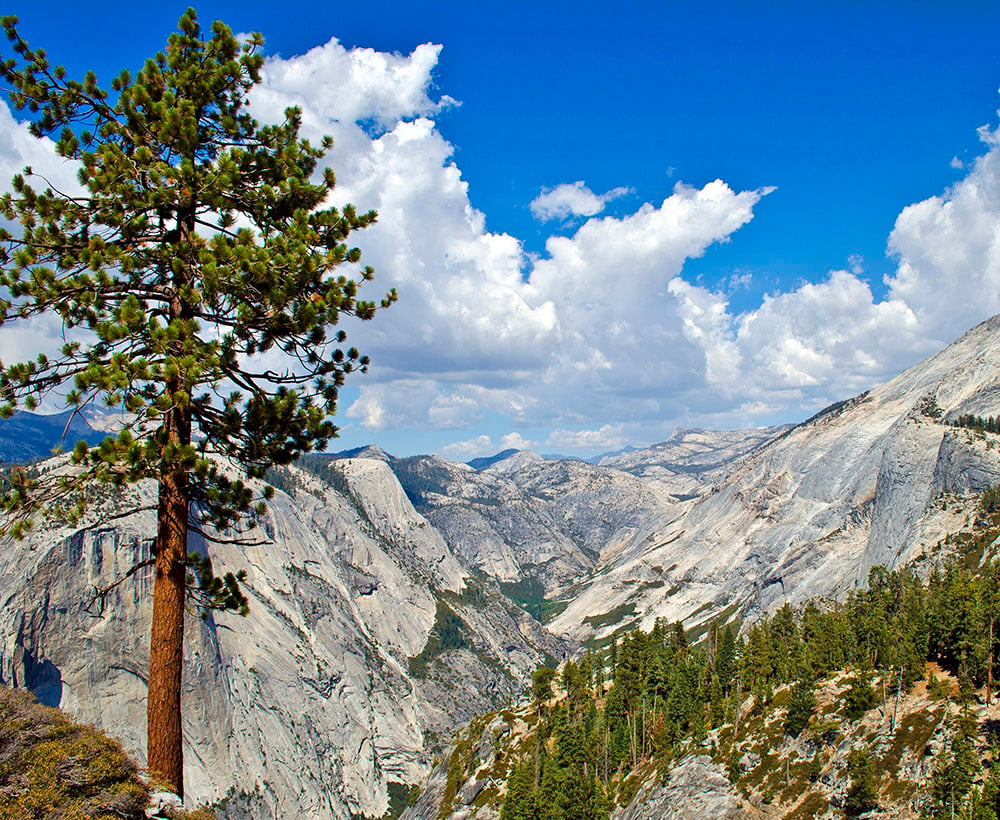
(528, 593)
(912, 733)
(449, 632)
(552, 609)
(51, 767)
(612, 617)
(813, 805)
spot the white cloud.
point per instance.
(18, 148)
(572, 199)
(413, 402)
(464, 450)
(515, 441)
(602, 336)
(957, 164)
(948, 249)
(608, 437)
(334, 84)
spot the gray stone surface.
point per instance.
(809, 513)
(697, 789)
(311, 705)
(308, 707)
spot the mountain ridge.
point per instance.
(392, 602)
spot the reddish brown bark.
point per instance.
(166, 648)
(165, 755)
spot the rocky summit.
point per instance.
(391, 600)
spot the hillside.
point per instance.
(366, 643)
(392, 600)
(51, 767)
(32, 436)
(811, 511)
(883, 705)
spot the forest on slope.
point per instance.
(886, 697)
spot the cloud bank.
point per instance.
(601, 341)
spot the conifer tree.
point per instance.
(801, 704)
(197, 276)
(862, 789)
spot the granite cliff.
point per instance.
(393, 599)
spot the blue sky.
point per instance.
(721, 303)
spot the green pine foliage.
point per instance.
(666, 695)
(801, 706)
(198, 242)
(199, 277)
(862, 790)
(989, 424)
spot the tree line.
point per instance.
(991, 424)
(646, 698)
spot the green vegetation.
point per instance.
(617, 614)
(989, 424)
(198, 239)
(449, 632)
(529, 594)
(51, 767)
(595, 744)
(862, 791)
(401, 797)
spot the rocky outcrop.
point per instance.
(332, 687)
(691, 460)
(696, 789)
(525, 518)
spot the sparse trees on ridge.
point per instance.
(197, 275)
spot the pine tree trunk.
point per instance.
(989, 668)
(166, 648)
(165, 757)
(165, 751)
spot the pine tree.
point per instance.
(197, 244)
(800, 706)
(862, 792)
(520, 803)
(860, 696)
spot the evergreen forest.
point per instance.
(608, 721)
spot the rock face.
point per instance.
(696, 789)
(525, 518)
(333, 686)
(390, 598)
(692, 459)
(809, 513)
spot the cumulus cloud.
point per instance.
(515, 441)
(464, 450)
(604, 326)
(572, 199)
(602, 337)
(607, 437)
(948, 249)
(19, 149)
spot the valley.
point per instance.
(394, 600)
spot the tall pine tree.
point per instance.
(197, 276)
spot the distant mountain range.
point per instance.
(32, 436)
(394, 598)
